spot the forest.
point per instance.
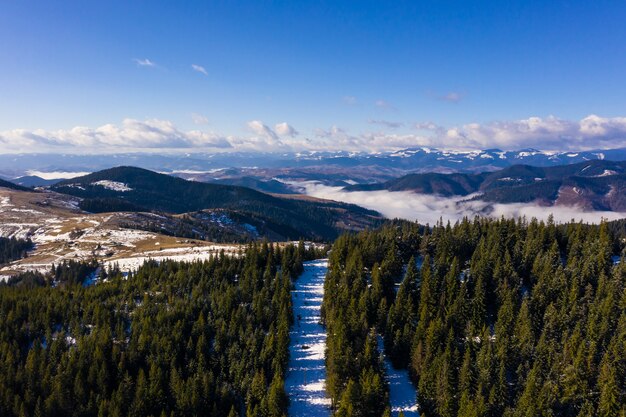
(172, 339)
(491, 318)
(12, 249)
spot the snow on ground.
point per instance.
(113, 185)
(186, 254)
(402, 393)
(306, 376)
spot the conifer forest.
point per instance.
(489, 318)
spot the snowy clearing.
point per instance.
(306, 376)
(113, 185)
(402, 393)
(183, 254)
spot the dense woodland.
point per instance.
(12, 249)
(224, 226)
(491, 317)
(172, 339)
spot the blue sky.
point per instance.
(356, 74)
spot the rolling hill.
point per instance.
(12, 186)
(137, 189)
(592, 185)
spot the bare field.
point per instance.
(61, 231)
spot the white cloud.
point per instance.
(199, 119)
(261, 129)
(151, 134)
(349, 100)
(548, 134)
(199, 68)
(430, 208)
(144, 62)
(384, 104)
(452, 97)
(425, 126)
(284, 129)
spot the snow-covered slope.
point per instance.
(306, 376)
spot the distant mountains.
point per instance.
(12, 185)
(327, 167)
(34, 181)
(137, 189)
(592, 185)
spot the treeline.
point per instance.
(491, 317)
(12, 249)
(172, 339)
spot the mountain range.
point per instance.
(591, 185)
(332, 168)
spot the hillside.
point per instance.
(34, 181)
(12, 186)
(593, 185)
(137, 189)
(266, 186)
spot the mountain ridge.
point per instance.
(593, 185)
(136, 189)
(390, 163)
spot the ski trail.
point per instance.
(306, 375)
(402, 393)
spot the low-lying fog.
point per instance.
(430, 208)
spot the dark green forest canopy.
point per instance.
(491, 317)
(12, 249)
(173, 339)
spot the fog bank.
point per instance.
(426, 208)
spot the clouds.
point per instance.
(284, 129)
(199, 68)
(386, 123)
(267, 139)
(548, 134)
(350, 100)
(148, 63)
(130, 135)
(452, 97)
(260, 129)
(145, 62)
(384, 104)
(199, 119)
(427, 208)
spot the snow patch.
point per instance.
(305, 382)
(607, 173)
(113, 185)
(402, 393)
